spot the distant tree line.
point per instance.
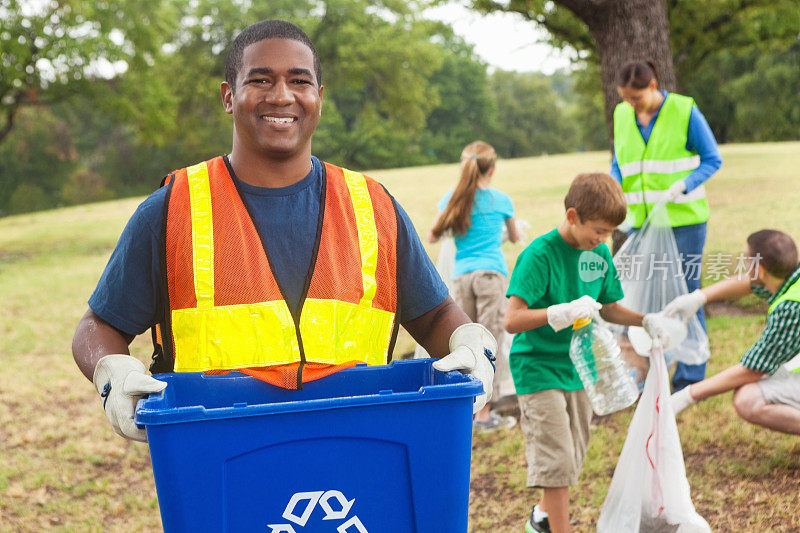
(99, 100)
(715, 50)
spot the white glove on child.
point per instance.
(681, 400)
(469, 345)
(684, 307)
(560, 316)
(121, 381)
(676, 190)
(654, 326)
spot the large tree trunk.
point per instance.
(624, 31)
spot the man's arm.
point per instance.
(728, 289)
(95, 338)
(432, 330)
(729, 379)
(101, 352)
(128, 292)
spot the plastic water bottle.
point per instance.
(597, 358)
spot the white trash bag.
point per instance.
(649, 492)
(651, 274)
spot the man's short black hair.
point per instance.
(776, 250)
(266, 29)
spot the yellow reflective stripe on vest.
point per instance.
(648, 169)
(264, 334)
(654, 166)
(367, 233)
(234, 336)
(791, 293)
(654, 197)
(225, 337)
(202, 234)
(335, 332)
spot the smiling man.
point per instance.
(268, 260)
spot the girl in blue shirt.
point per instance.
(476, 214)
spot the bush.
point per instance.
(85, 186)
(28, 197)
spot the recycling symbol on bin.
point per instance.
(337, 511)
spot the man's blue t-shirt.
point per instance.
(479, 247)
(128, 295)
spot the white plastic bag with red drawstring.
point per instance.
(649, 492)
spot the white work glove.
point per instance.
(676, 190)
(684, 307)
(654, 326)
(471, 346)
(681, 400)
(560, 316)
(121, 381)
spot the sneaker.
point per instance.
(495, 421)
(542, 526)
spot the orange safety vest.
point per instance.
(226, 309)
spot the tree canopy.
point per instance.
(102, 99)
(56, 49)
(697, 33)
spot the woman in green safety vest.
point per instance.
(665, 150)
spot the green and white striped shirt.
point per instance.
(780, 340)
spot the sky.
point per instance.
(504, 40)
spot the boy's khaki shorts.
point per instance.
(556, 427)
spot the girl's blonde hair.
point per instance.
(477, 160)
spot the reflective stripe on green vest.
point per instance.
(648, 170)
(793, 294)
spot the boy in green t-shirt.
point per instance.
(562, 276)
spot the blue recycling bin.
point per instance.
(368, 449)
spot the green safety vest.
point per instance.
(648, 170)
(792, 293)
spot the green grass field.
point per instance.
(64, 469)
